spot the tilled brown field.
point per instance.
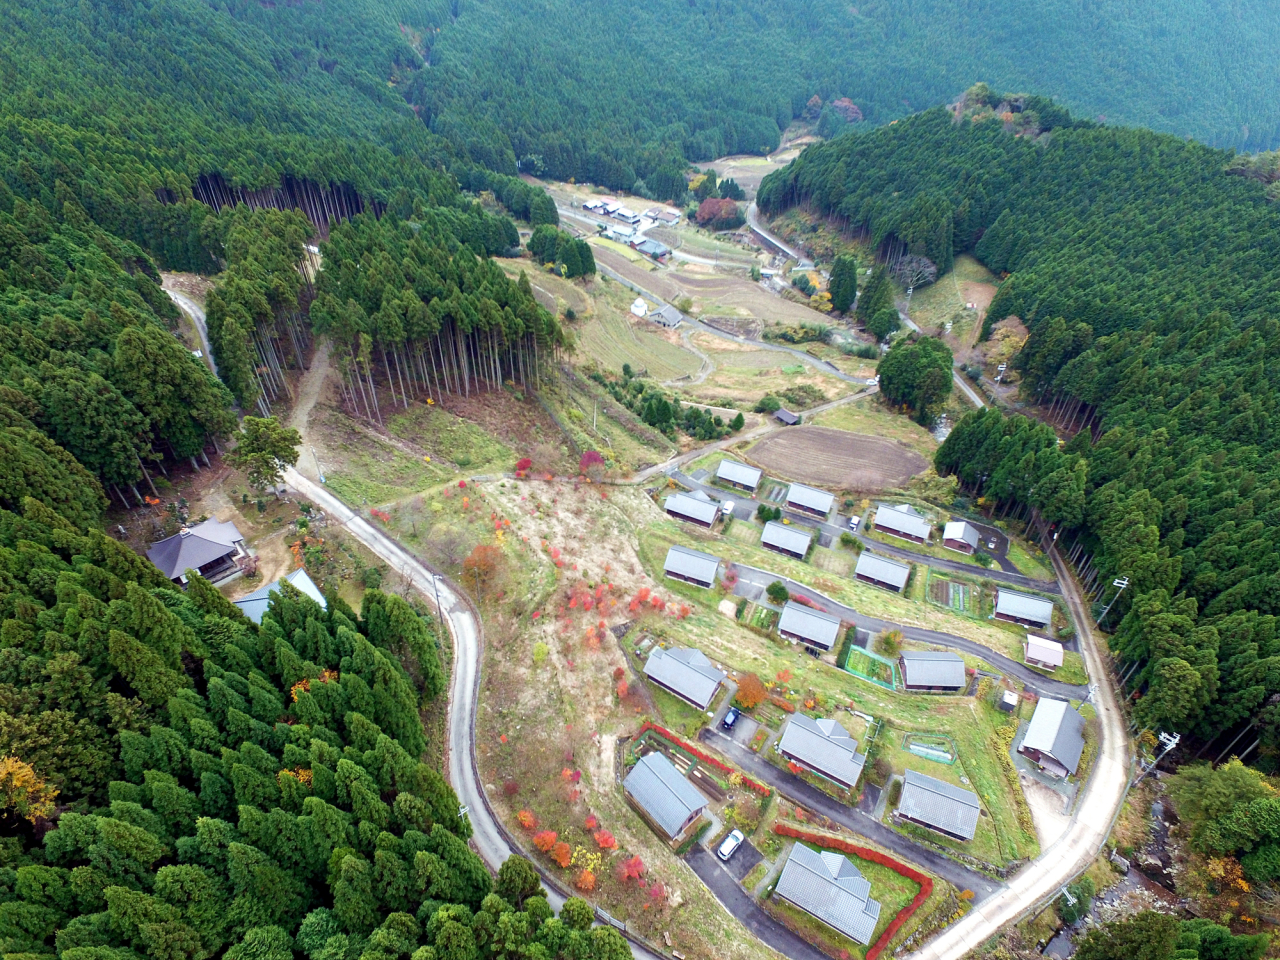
(836, 459)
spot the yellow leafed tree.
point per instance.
(23, 791)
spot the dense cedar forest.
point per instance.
(1148, 274)
(227, 789)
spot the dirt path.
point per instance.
(310, 388)
(707, 369)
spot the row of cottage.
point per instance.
(826, 884)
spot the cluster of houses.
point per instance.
(611, 208)
(217, 551)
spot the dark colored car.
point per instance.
(730, 718)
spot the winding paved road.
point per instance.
(196, 313)
(1038, 881)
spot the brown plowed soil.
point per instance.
(836, 459)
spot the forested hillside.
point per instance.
(1149, 277)
(610, 91)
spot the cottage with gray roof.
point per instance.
(816, 503)
(687, 673)
(828, 886)
(939, 805)
(691, 566)
(822, 747)
(874, 569)
(738, 474)
(1023, 608)
(667, 315)
(255, 604)
(904, 523)
(209, 548)
(666, 799)
(786, 539)
(960, 536)
(700, 510)
(807, 625)
(934, 670)
(1055, 737)
(786, 417)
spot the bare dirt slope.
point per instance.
(834, 458)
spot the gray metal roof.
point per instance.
(959, 530)
(823, 745)
(885, 571)
(820, 629)
(1057, 730)
(808, 497)
(939, 804)
(691, 563)
(736, 472)
(686, 671)
(831, 888)
(667, 315)
(682, 504)
(786, 416)
(904, 520)
(653, 248)
(668, 798)
(255, 604)
(191, 548)
(792, 539)
(1024, 607)
(932, 668)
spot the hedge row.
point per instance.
(875, 856)
(704, 757)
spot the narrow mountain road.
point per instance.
(488, 837)
(753, 221)
(1090, 825)
(196, 313)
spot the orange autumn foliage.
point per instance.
(561, 854)
(527, 819)
(606, 840)
(585, 881)
(751, 691)
(544, 840)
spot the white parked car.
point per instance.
(853, 522)
(727, 508)
(730, 844)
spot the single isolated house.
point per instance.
(904, 523)
(822, 747)
(786, 539)
(1055, 737)
(816, 503)
(932, 670)
(958, 535)
(939, 805)
(667, 800)
(738, 475)
(889, 574)
(667, 315)
(1023, 608)
(255, 604)
(829, 887)
(813, 627)
(691, 566)
(685, 672)
(1042, 652)
(786, 417)
(692, 508)
(210, 549)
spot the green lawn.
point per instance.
(451, 438)
(1030, 560)
(925, 549)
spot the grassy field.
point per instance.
(869, 416)
(611, 336)
(586, 416)
(621, 249)
(928, 550)
(370, 471)
(1029, 560)
(744, 373)
(932, 307)
(451, 438)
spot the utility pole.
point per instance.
(435, 579)
(319, 469)
(1121, 582)
(1169, 740)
